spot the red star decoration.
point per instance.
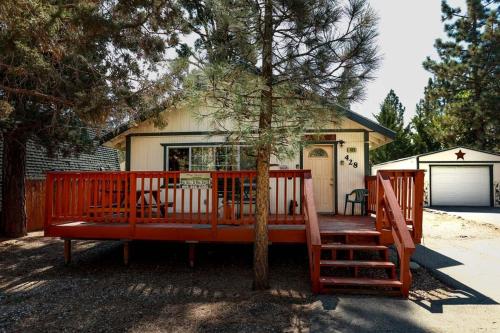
(460, 154)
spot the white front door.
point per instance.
(319, 159)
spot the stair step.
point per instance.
(358, 282)
(358, 247)
(356, 263)
(349, 232)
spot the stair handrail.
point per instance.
(312, 233)
(388, 208)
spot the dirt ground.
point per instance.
(159, 292)
(440, 225)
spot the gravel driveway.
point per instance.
(158, 292)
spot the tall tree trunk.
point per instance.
(13, 222)
(260, 258)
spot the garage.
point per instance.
(458, 176)
(460, 185)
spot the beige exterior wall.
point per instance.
(147, 152)
(348, 177)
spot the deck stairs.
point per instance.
(354, 261)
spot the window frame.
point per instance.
(316, 149)
(190, 147)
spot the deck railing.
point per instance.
(408, 188)
(390, 214)
(371, 186)
(218, 197)
(312, 234)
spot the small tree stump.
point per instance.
(192, 252)
(126, 253)
(67, 251)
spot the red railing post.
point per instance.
(312, 233)
(378, 210)
(49, 190)
(133, 201)
(215, 203)
(418, 205)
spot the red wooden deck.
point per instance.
(164, 206)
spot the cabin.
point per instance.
(189, 181)
(457, 176)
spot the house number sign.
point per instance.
(351, 162)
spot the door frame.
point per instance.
(490, 167)
(334, 145)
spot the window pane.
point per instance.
(178, 159)
(248, 159)
(202, 158)
(226, 158)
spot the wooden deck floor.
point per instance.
(282, 232)
(345, 223)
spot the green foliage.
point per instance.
(391, 115)
(319, 61)
(466, 77)
(427, 124)
(66, 66)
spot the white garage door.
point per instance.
(460, 186)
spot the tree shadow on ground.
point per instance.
(451, 291)
(158, 291)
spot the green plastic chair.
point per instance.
(359, 197)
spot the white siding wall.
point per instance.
(348, 177)
(470, 155)
(147, 153)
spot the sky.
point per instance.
(407, 31)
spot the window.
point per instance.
(318, 152)
(203, 158)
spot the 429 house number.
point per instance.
(351, 162)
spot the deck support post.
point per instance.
(126, 252)
(191, 253)
(67, 251)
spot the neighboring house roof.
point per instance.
(368, 123)
(398, 160)
(37, 162)
(457, 147)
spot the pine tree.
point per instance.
(427, 130)
(271, 69)
(391, 115)
(65, 66)
(466, 76)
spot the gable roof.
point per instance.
(371, 124)
(455, 147)
(356, 117)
